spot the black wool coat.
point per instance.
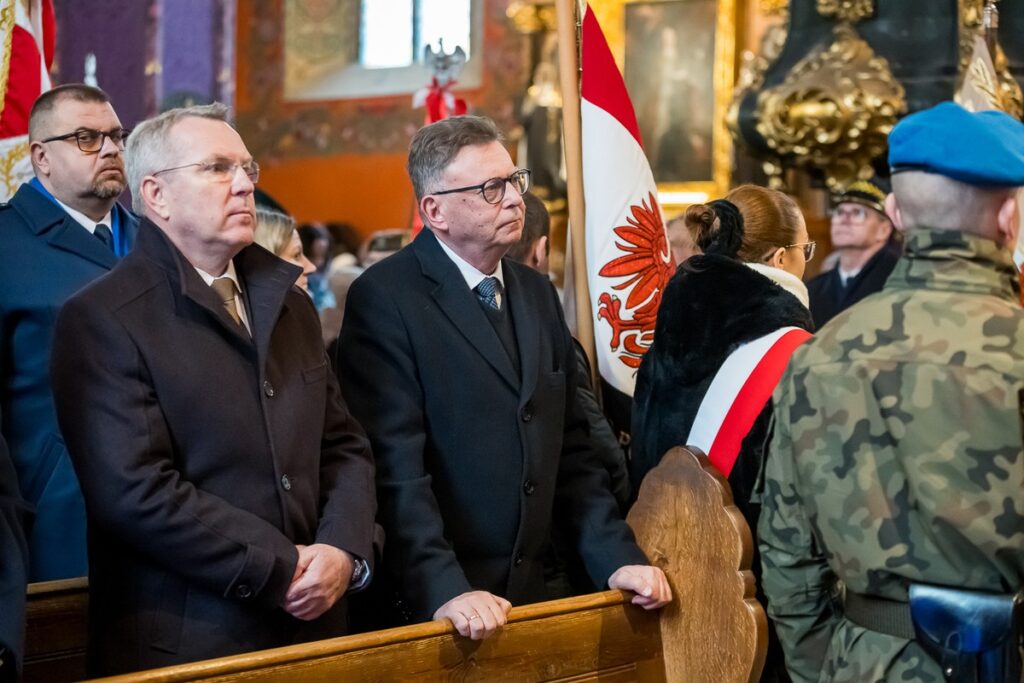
(205, 457)
(474, 460)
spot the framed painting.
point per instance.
(678, 61)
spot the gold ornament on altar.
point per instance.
(532, 17)
(835, 109)
(847, 10)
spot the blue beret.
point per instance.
(984, 148)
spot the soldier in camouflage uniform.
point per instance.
(897, 451)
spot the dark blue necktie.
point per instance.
(103, 234)
(488, 290)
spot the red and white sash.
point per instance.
(738, 394)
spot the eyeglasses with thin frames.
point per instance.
(857, 213)
(90, 141)
(220, 170)
(808, 248)
(493, 190)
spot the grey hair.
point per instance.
(929, 200)
(148, 149)
(433, 147)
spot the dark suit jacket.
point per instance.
(829, 297)
(14, 520)
(474, 462)
(205, 456)
(47, 257)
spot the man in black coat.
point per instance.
(863, 235)
(229, 492)
(14, 519)
(460, 366)
(60, 231)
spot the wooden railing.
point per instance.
(714, 630)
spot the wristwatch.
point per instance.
(360, 574)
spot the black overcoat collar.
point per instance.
(460, 305)
(265, 281)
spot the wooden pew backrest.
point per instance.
(714, 631)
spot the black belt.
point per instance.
(890, 617)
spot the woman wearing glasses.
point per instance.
(729, 319)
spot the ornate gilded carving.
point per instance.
(532, 17)
(774, 7)
(834, 110)
(847, 10)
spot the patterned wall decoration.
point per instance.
(278, 130)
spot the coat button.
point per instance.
(268, 389)
(518, 559)
(529, 488)
(286, 483)
(243, 591)
(527, 413)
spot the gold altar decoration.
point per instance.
(847, 10)
(532, 17)
(835, 109)
(774, 7)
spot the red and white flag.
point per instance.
(27, 30)
(628, 257)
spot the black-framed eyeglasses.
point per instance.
(808, 248)
(493, 190)
(220, 170)
(91, 141)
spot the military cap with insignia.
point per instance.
(870, 193)
(984, 148)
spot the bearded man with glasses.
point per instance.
(230, 493)
(61, 230)
(868, 249)
(459, 364)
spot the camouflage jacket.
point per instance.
(897, 457)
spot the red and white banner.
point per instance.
(628, 257)
(739, 392)
(27, 30)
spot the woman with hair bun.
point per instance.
(729, 318)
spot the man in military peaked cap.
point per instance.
(896, 462)
(864, 238)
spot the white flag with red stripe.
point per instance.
(628, 257)
(28, 33)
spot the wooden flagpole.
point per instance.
(569, 18)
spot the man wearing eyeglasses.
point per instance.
(459, 364)
(863, 236)
(61, 230)
(230, 493)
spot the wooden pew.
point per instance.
(714, 631)
(55, 631)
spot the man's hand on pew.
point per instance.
(649, 584)
(321, 578)
(476, 615)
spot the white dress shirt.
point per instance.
(471, 275)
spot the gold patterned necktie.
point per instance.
(227, 291)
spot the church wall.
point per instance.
(343, 160)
